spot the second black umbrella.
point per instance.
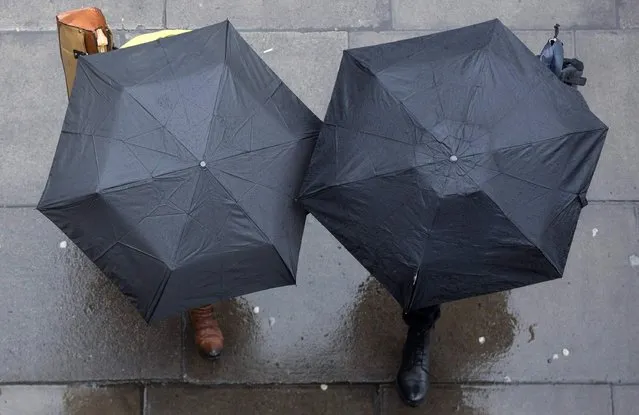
(453, 165)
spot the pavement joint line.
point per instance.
(612, 400)
(164, 13)
(143, 400)
(391, 4)
(618, 4)
(375, 29)
(183, 328)
(363, 385)
(19, 206)
(378, 404)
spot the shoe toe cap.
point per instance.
(211, 354)
(413, 389)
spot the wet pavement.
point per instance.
(71, 344)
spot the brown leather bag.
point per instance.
(80, 32)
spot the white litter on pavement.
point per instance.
(256, 310)
(507, 379)
(323, 386)
(566, 352)
(555, 356)
(268, 50)
(271, 321)
(595, 231)
(482, 340)
(634, 261)
(63, 244)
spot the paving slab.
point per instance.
(336, 325)
(33, 100)
(260, 401)
(70, 400)
(40, 15)
(506, 400)
(281, 14)
(61, 320)
(534, 39)
(629, 14)
(535, 14)
(581, 328)
(625, 399)
(612, 91)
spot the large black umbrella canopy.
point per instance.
(453, 165)
(177, 168)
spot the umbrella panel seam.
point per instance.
(261, 232)
(517, 227)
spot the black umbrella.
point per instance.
(453, 165)
(177, 168)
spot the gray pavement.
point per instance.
(70, 343)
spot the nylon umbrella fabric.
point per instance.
(453, 165)
(177, 169)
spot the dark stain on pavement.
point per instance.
(99, 401)
(457, 353)
(531, 330)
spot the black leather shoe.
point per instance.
(412, 379)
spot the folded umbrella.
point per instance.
(453, 165)
(177, 168)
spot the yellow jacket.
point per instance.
(150, 37)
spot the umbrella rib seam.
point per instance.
(252, 221)
(536, 142)
(518, 228)
(225, 73)
(148, 214)
(405, 58)
(263, 148)
(159, 292)
(136, 183)
(314, 192)
(566, 136)
(124, 90)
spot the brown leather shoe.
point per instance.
(208, 336)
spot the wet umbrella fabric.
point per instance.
(453, 165)
(177, 168)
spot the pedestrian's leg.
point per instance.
(412, 379)
(208, 336)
